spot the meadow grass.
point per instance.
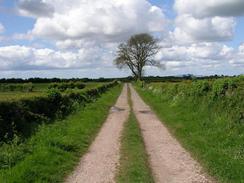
(52, 153)
(16, 95)
(134, 166)
(205, 129)
(39, 90)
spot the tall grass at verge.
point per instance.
(54, 150)
(207, 117)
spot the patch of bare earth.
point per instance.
(169, 161)
(100, 162)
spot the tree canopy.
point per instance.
(136, 53)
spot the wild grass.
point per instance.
(210, 126)
(134, 166)
(16, 95)
(38, 90)
(52, 153)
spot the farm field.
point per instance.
(207, 117)
(13, 96)
(58, 144)
(18, 92)
(184, 130)
(69, 127)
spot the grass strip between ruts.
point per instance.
(134, 166)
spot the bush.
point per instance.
(27, 114)
(223, 94)
(26, 87)
(67, 85)
(200, 88)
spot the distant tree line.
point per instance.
(53, 80)
(125, 79)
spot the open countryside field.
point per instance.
(204, 115)
(121, 91)
(9, 91)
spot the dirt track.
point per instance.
(170, 163)
(101, 161)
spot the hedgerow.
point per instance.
(207, 117)
(225, 94)
(26, 87)
(23, 116)
(67, 85)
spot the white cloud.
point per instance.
(189, 29)
(86, 34)
(202, 58)
(111, 20)
(238, 59)
(209, 20)
(27, 58)
(35, 8)
(207, 51)
(201, 55)
(210, 8)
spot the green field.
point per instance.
(56, 146)
(13, 96)
(39, 89)
(49, 126)
(207, 117)
(23, 107)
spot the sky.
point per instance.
(79, 38)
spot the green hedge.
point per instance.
(67, 85)
(224, 95)
(207, 117)
(23, 116)
(26, 87)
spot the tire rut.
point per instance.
(169, 161)
(100, 162)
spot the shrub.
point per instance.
(26, 114)
(26, 87)
(67, 85)
(200, 88)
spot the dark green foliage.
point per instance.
(26, 114)
(26, 87)
(54, 150)
(208, 118)
(67, 85)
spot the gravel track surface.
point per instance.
(169, 161)
(99, 164)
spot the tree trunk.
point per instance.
(139, 77)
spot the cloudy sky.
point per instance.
(78, 38)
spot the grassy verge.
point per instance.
(134, 166)
(51, 154)
(205, 131)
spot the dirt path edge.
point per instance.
(100, 162)
(169, 161)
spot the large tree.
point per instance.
(136, 53)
